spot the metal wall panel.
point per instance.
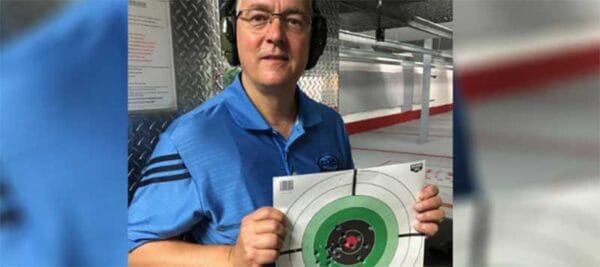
(199, 68)
(198, 73)
(375, 86)
(322, 82)
(366, 87)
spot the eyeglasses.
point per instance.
(257, 19)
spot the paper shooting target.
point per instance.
(351, 218)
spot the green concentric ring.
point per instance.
(365, 208)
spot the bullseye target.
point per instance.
(351, 218)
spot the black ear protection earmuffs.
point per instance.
(318, 38)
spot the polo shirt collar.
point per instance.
(247, 116)
(308, 110)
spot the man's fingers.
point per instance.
(261, 235)
(428, 204)
(270, 226)
(428, 191)
(431, 216)
(267, 241)
(265, 213)
(428, 229)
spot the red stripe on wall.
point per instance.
(528, 74)
(384, 121)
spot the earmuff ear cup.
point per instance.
(228, 40)
(318, 40)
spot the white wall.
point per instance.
(370, 90)
(440, 87)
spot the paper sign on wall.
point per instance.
(151, 75)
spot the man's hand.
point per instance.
(261, 236)
(429, 212)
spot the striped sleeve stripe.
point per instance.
(163, 158)
(169, 178)
(164, 169)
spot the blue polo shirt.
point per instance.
(215, 164)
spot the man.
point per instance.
(212, 170)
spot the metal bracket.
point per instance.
(431, 27)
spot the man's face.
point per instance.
(276, 53)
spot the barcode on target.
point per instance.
(287, 185)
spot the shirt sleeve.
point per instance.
(166, 202)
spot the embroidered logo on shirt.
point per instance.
(328, 163)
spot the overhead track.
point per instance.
(358, 55)
(430, 27)
(363, 39)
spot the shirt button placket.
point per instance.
(277, 138)
(287, 163)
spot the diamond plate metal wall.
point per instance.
(199, 68)
(322, 82)
(198, 75)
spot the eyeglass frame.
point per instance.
(282, 18)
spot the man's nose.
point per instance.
(275, 32)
